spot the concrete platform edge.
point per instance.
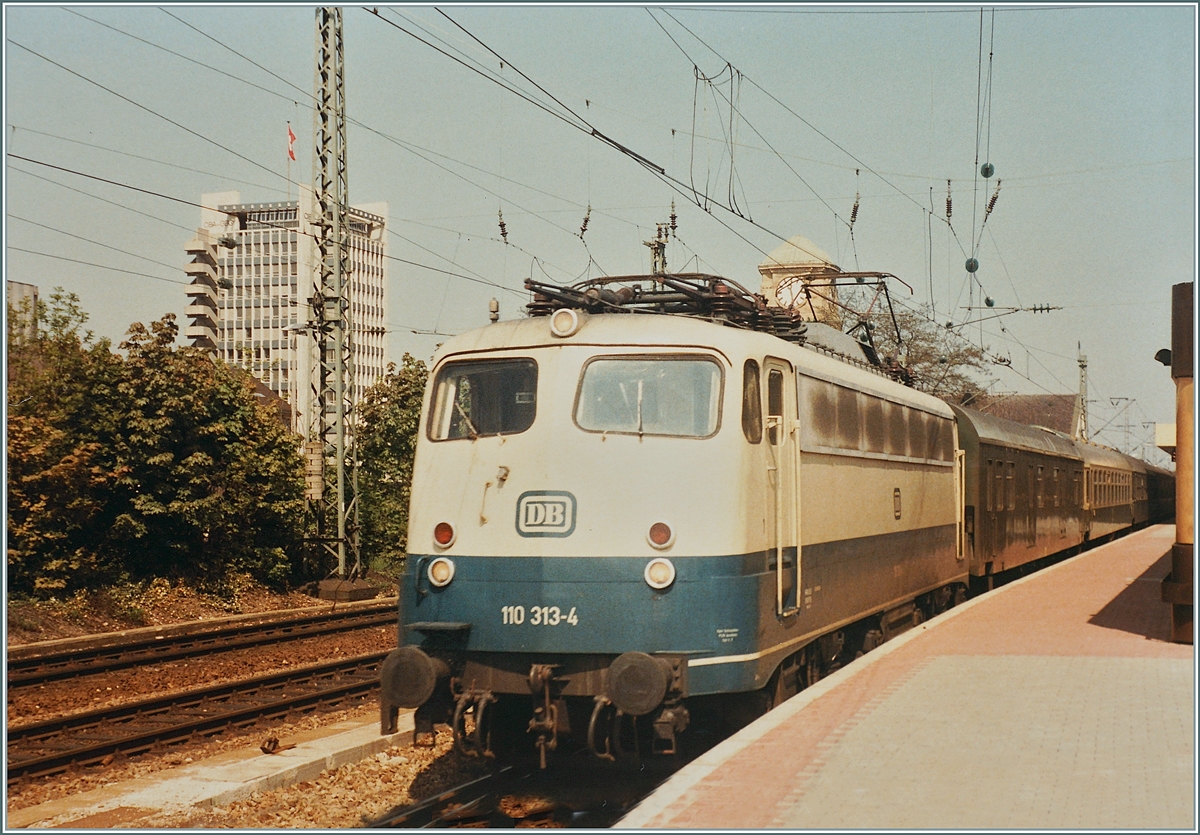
(694, 772)
(218, 781)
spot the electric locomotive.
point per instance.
(623, 521)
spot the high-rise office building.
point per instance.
(253, 276)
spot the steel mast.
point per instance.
(331, 437)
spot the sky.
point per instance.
(751, 123)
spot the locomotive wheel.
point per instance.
(812, 668)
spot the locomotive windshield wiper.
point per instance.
(639, 407)
(474, 432)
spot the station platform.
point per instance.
(1054, 702)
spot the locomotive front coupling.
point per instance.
(407, 680)
(638, 684)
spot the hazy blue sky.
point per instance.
(1088, 115)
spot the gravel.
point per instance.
(60, 698)
(350, 796)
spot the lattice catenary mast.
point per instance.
(334, 516)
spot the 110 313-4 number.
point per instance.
(538, 616)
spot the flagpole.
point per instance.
(289, 164)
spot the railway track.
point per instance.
(34, 664)
(88, 738)
(580, 794)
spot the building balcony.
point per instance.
(201, 311)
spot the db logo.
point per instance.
(546, 513)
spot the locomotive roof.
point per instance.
(673, 331)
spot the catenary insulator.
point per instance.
(992, 203)
(949, 205)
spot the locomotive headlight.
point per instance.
(564, 322)
(659, 573)
(660, 536)
(441, 572)
(443, 535)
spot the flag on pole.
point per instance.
(291, 141)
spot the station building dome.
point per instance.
(799, 258)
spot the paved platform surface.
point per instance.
(1054, 702)
(217, 781)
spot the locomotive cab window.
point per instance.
(676, 396)
(489, 397)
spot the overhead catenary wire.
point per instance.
(673, 182)
(807, 123)
(90, 241)
(12, 248)
(179, 54)
(176, 124)
(149, 110)
(983, 228)
(23, 129)
(416, 150)
(188, 229)
(264, 223)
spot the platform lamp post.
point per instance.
(1177, 587)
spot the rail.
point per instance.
(32, 664)
(87, 738)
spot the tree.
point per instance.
(941, 361)
(389, 420)
(60, 483)
(212, 481)
(157, 464)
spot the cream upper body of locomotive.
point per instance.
(714, 489)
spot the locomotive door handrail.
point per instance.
(960, 499)
(783, 441)
(795, 434)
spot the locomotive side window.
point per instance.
(673, 396)
(489, 397)
(751, 403)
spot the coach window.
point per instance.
(1011, 486)
(490, 397)
(987, 481)
(1041, 495)
(751, 403)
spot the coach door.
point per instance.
(783, 459)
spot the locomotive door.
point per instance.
(783, 444)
